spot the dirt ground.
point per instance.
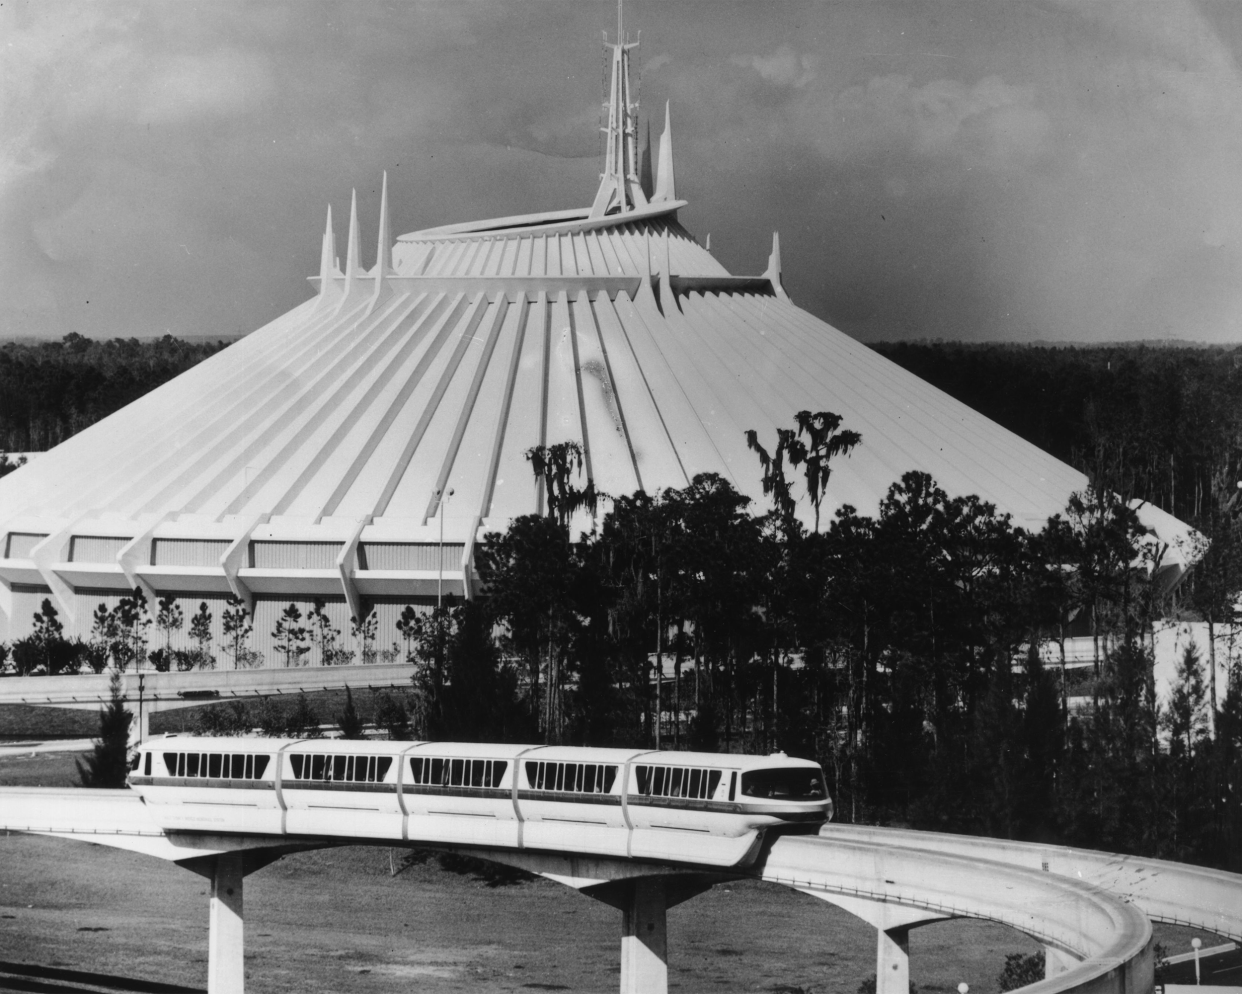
(78, 917)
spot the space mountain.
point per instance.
(308, 460)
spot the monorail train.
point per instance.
(705, 808)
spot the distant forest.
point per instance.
(1158, 422)
(50, 391)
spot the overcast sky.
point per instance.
(959, 170)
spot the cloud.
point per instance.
(932, 129)
(985, 122)
(227, 81)
(69, 67)
(784, 67)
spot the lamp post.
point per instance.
(1195, 944)
(442, 502)
(440, 506)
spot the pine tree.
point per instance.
(108, 764)
(348, 720)
(290, 636)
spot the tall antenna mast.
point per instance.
(619, 188)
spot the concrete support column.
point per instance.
(644, 939)
(892, 961)
(226, 968)
(1056, 961)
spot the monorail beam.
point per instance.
(226, 965)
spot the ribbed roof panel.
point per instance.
(479, 347)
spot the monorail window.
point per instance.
(215, 765)
(677, 781)
(580, 778)
(135, 761)
(432, 771)
(789, 784)
(340, 769)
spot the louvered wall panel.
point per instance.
(187, 552)
(294, 555)
(95, 548)
(19, 544)
(408, 555)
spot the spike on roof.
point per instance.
(353, 248)
(383, 248)
(773, 272)
(644, 165)
(327, 254)
(666, 186)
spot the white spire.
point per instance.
(383, 250)
(327, 255)
(666, 187)
(328, 269)
(620, 189)
(773, 272)
(353, 250)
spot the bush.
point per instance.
(1021, 969)
(28, 657)
(393, 717)
(191, 659)
(302, 722)
(233, 718)
(248, 659)
(161, 659)
(95, 656)
(51, 655)
(63, 655)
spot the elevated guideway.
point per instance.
(1090, 910)
(1173, 893)
(146, 692)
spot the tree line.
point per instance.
(901, 651)
(50, 391)
(1162, 422)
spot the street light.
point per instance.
(1195, 944)
(440, 506)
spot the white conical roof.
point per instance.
(482, 345)
(308, 459)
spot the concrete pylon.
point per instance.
(892, 923)
(226, 964)
(892, 961)
(1057, 961)
(644, 939)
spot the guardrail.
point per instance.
(197, 686)
(1175, 893)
